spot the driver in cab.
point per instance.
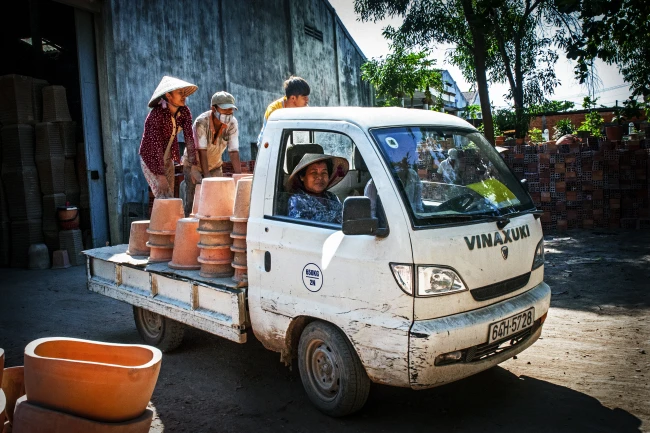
(450, 168)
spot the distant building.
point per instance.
(473, 98)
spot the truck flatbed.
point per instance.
(215, 305)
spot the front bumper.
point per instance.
(469, 331)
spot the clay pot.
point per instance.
(13, 385)
(68, 217)
(186, 250)
(218, 226)
(60, 259)
(241, 273)
(242, 204)
(240, 258)
(614, 133)
(499, 140)
(237, 176)
(216, 253)
(240, 228)
(197, 199)
(217, 198)
(238, 236)
(31, 418)
(138, 239)
(218, 269)
(164, 215)
(160, 240)
(239, 244)
(160, 254)
(213, 238)
(99, 381)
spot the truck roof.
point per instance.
(372, 117)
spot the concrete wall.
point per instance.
(247, 47)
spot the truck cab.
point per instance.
(436, 272)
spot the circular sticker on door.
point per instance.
(312, 277)
(392, 143)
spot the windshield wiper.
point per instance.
(501, 220)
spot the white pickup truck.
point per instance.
(436, 272)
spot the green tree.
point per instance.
(616, 31)
(402, 73)
(471, 111)
(463, 23)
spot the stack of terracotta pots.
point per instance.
(239, 219)
(162, 228)
(214, 228)
(72, 385)
(186, 245)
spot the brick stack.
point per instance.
(587, 185)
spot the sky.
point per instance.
(371, 41)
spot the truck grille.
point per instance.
(501, 288)
(485, 351)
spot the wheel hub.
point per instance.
(152, 323)
(323, 370)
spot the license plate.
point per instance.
(513, 324)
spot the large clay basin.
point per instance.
(13, 385)
(217, 198)
(30, 418)
(95, 380)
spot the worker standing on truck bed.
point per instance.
(159, 145)
(214, 131)
(296, 95)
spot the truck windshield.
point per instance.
(450, 175)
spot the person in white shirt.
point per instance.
(450, 167)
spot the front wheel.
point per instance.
(330, 370)
(159, 331)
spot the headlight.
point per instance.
(403, 274)
(539, 255)
(433, 281)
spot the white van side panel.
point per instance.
(355, 289)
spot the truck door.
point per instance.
(310, 268)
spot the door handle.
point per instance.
(267, 261)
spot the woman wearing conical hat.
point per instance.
(159, 145)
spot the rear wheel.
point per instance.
(331, 371)
(159, 331)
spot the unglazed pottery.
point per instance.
(160, 254)
(241, 273)
(164, 215)
(186, 249)
(214, 238)
(220, 226)
(60, 259)
(215, 269)
(242, 204)
(30, 418)
(160, 240)
(218, 253)
(239, 244)
(68, 217)
(90, 379)
(13, 385)
(197, 199)
(240, 258)
(239, 228)
(217, 198)
(237, 176)
(138, 239)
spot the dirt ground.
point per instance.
(589, 372)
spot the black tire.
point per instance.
(159, 331)
(330, 370)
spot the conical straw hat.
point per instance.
(168, 84)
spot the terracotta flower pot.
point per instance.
(240, 258)
(68, 217)
(160, 240)
(214, 238)
(138, 239)
(221, 226)
(614, 133)
(30, 418)
(239, 243)
(13, 385)
(241, 273)
(242, 204)
(99, 381)
(197, 199)
(217, 198)
(164, 215)
(240, 228)
(160, 254)
(215, 269)
(237, 176)
(186, 249)
(238, 236)
(215, 253)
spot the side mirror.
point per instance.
(357, 218)
(524, 183)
